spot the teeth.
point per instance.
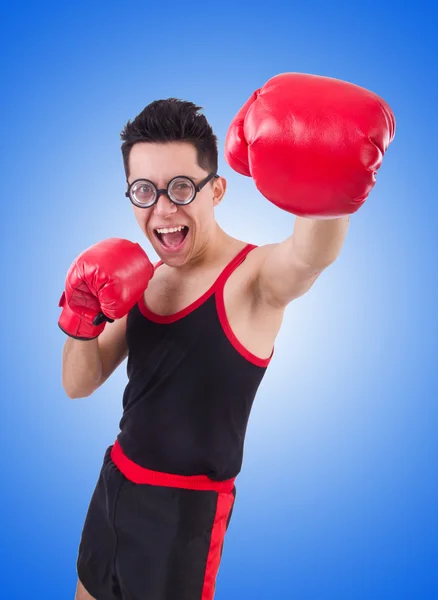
(171, 229)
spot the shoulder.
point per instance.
(259, 253)
(246, 275)
(255, 258)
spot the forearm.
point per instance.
(317, 243)
(81, 367)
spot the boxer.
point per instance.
(198, 328)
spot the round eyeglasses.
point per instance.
(180, 190)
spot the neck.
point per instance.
(211, 252)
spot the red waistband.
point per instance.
(138, 474)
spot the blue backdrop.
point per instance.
(337, 498)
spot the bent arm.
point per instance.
(86, 365)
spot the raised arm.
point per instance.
(313, 146)
(289, 269)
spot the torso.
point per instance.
(255, 325)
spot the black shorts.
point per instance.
(161, 540)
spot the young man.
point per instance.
(199, 328)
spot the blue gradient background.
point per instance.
(337, 498)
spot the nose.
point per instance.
(164, 206)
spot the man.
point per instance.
(199, 328)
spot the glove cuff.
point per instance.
(74, 325)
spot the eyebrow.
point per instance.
(195, 178)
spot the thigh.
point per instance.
(81, 593)
(97, 549)
(170, 541)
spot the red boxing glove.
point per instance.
(103, 284)
(312, 144)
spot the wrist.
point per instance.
(76, 326)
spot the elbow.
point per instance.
(74, 392)
(74, 395)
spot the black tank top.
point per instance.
(191, 387)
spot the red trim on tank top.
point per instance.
(222, 314)
(163, 319)
(218, 287)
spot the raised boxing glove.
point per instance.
(312, 144)
(103, 284)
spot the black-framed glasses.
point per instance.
(180, 190)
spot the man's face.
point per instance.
(160, 163)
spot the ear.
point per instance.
(219, 189)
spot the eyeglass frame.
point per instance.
(197, 187)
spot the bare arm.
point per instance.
(86, 365)
(290, 268)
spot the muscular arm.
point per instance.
(289, 269)
(86, 365)
(313, 146)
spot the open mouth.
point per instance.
(172, 238)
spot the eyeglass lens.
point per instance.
(181, 190)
